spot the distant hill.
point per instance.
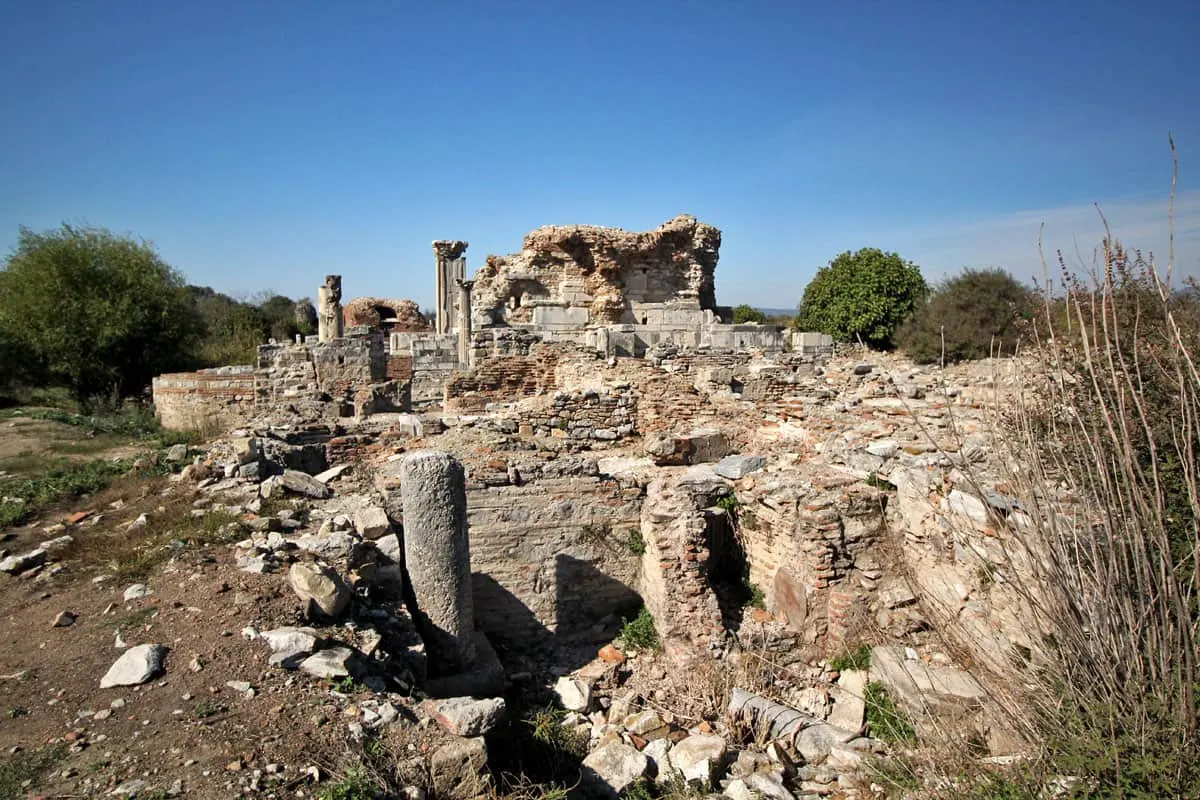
(777, 312)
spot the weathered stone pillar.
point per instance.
(449, 267)
(438, 556)
(464, 323)
(329, 309)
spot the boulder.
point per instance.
(611, 768)
(466, 716)
(919, 687)
(848, 705)
(135, 666)
(699, 757)
(321, 589)
(302, 483)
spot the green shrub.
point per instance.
(636, 543)
(745, 313)
(886, 720)
(858, 658)
(863, 295)
(976, 314)
(639, 632)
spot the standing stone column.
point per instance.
(449, 266)
(329, 309)
(464, 323)
(438, 556)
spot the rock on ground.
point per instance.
(320, 588)
(15, 565)
(289, 646)
(466, 716)
(736, 467)
(372, 522)
(611, 768)
(574, 694)
(302, 483)
(699, 757)
(135, 666)
(331, 663)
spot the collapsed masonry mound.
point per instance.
(603, 270)
(384, 314)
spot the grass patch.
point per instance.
(886, 720)
(640, 632)
(24, 497)
(132, 556)
(131, 420)
(27, 767)
(635, 543)
(858, 658)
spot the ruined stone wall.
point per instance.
(384, 314)
(594, 418)
(326, 379)
(502, 379)
(551, 556)
(606, 271)
(211, 400)
(810, 536)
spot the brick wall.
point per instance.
(210, 401)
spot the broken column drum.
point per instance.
(329, 309)
(438, 557)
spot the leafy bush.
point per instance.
(976, 314)
(745, 313)
(639, 632)
(862, 295)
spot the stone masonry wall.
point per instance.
(208, 400)
(502, 379)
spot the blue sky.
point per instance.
(264, 144)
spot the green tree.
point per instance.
(96, 312)
(746, 313)
(862, 295)
(971, 315)
(279, 316)
(232, 330)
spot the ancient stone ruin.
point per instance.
(580, 436)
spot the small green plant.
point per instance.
(549, 730)
(886, 720)
(636, 543)
(729, 502)
(21, 772)
(207, 708)
(354, 785)
(639, 790)
(347, 685)
(754, 595)
(17, 712)
(858, 658)
(639, 632)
